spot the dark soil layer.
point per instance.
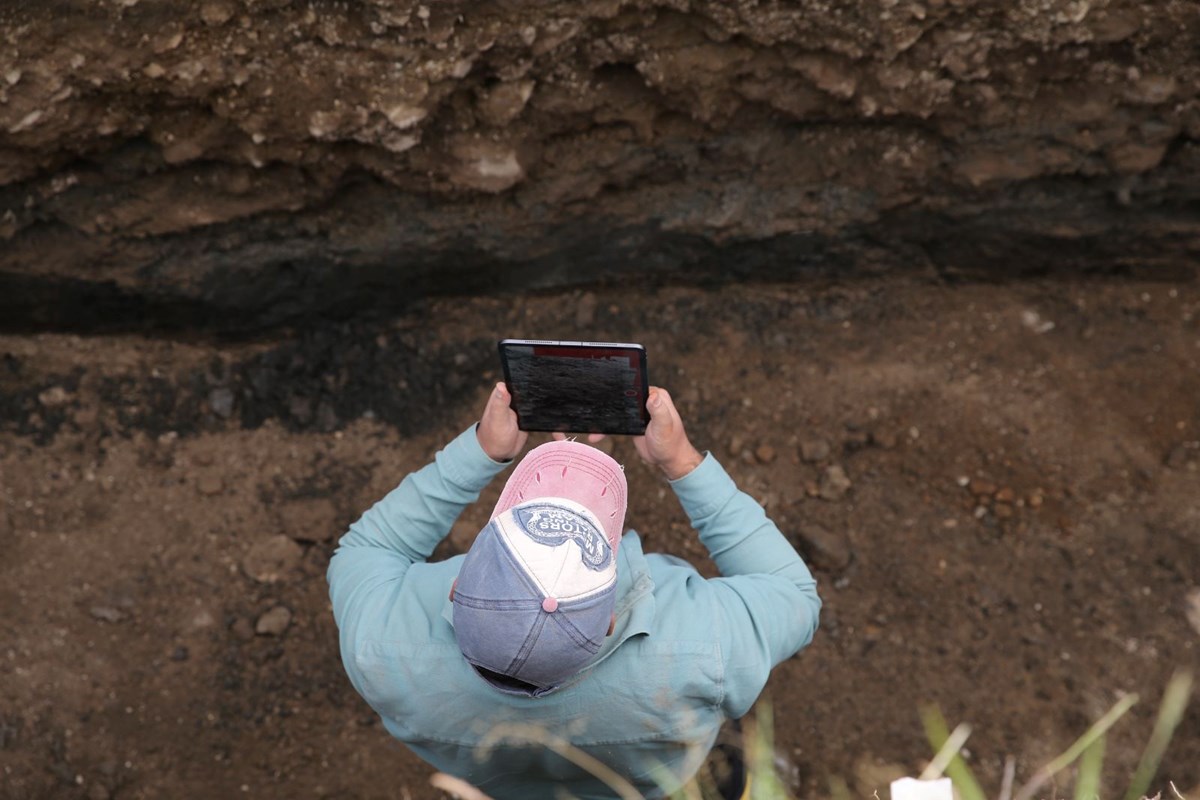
(997, 486)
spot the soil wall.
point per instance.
(236, 164)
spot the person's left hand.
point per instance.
(498, 433)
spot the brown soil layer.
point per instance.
(997, 486)
(236, 164)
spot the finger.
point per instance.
(595, 437)
(496, 400)
(558, 437)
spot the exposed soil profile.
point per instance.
(998, 487)
(234, 165)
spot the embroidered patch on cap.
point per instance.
(553, 525)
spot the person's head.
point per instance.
(535, 596)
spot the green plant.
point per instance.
(765, 783)
(1087, 750)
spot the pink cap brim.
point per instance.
(574, 471)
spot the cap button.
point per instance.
(549, 605)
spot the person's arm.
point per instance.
(406, 526)
(766, 600)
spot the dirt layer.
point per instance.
(237, 164)
(998, 488)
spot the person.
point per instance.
(555, 657)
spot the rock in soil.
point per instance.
(106, 613)
(823, 549)
(814, 450)
(271, 559)
(834, 483)
(273, 622)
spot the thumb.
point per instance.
(662, 420)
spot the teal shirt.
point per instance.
(686, 653)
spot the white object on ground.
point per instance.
(913, 789)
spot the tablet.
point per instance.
(577, 387)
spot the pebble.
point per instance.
(1003, 511)
(271, 559)
(814, 450)
(220, 400)
(54, 397)
(106, 613)
(1006, 495)
(210, 485)
(765, 454)
(217, 13)
(203, 620)
(180, 653)
(834, 483)
(273, 622)
(982, 488)
(823, 549)
(1035, 500)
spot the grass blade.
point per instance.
(763, 779)
(1098, 729)
(1087, 783)
(839, 789)
(1174, 702)
(1006, 782)
(533, 734)
(957, 770)
(954, 742)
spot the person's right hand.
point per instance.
(665, 444)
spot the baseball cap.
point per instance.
(536, 591)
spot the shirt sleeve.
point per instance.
(405, 526)
(766, 597)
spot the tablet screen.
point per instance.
(577, 387)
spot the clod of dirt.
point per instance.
(221, 402)
(271, 559)
(273, 622)
(814, 450)
(310, 519)
(107, 613)
(765, 454)
(834, 483)
(54, 397)
(823, 549)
